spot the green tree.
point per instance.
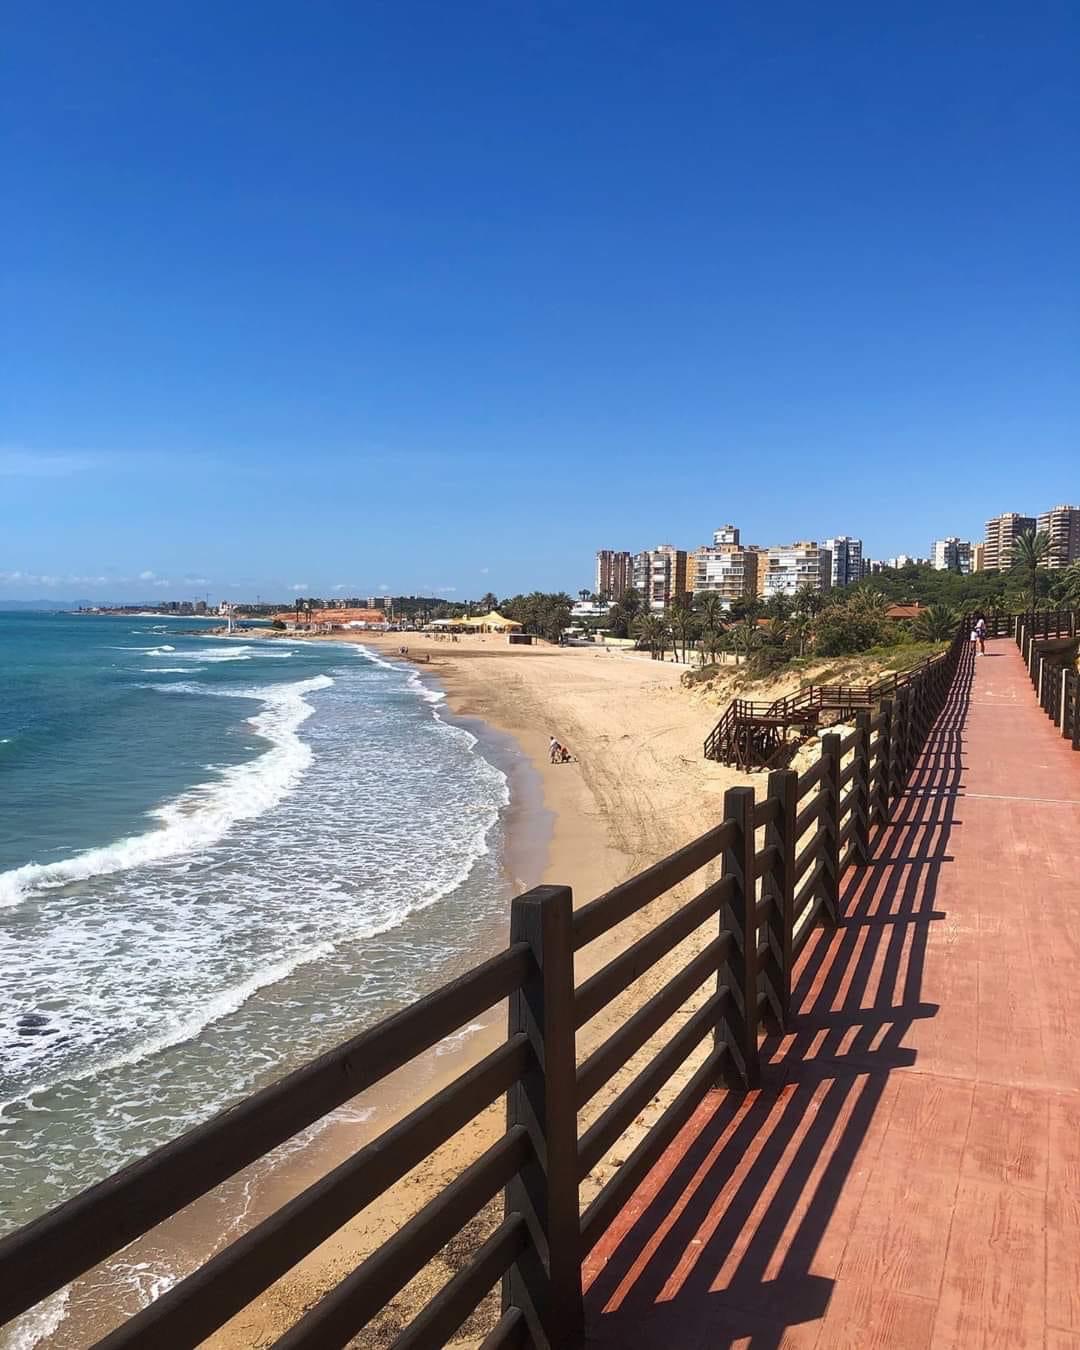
(746, 637)
(936, 623)
(1029, 552)
(684, 625)
(711, 609)
(651, 631)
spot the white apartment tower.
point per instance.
(847, 559)
(952, 555)
(791, 566)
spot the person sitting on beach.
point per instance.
(565, 757)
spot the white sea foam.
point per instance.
(38, 1324)
(201, 816)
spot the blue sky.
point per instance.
(430, 296)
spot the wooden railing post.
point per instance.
(898, 746)
(780, 887)
(830, 880)
(884, 801)
(738, 1029)
(861, 785)
(545, 1281)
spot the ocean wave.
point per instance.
(169, 670)
(37, 1325)
(203, 814)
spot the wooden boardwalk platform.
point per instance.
(908, 1175)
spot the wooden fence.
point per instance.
(1047, 641)
(779, 861)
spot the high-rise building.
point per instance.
(613, 573)
(847, 565)
(951, 555)
(978, 557)
(1062, 526)
(1001, 533)
(726, 570)
(659, 576)
(790, 566)
(727, 536)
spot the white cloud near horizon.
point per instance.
(16, 463)
(299, 586)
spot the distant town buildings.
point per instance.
(847, 559)
(614, 573)
(659, 576)
(951, 555)
(1001, 533)
(734, 571)
(792, 566)
(1062, 526)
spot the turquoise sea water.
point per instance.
(217, 858)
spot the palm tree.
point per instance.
(711, 609)
(1067, 585)
(801, 628)
(746, 636)
(936, 623)
(652, 632)
(808, 601)
(1028, 555)
(684, 624)
(712, 639)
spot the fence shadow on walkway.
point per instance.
(724, 1249)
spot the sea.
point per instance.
(218, 858)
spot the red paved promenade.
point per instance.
(909, 1173)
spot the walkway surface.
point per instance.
(909, 1173)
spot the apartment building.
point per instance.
(951, 555)
(978, 557)
(726, 570)
(1001, 533)
(659, 576)
(791, 566)
(614, 571)
(847, 559)
(1062, 526)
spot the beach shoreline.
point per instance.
(638, 788)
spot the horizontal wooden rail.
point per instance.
(51, 1251)
(616, 977)
(599, 916)
(598, 1217)
(811, 812)
(813, 776)
(188, 1312)
(608, 1127)
(350, 1305)
(458, 1299)
(766, 812)
(607, 1059)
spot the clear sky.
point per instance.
(446, 296)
